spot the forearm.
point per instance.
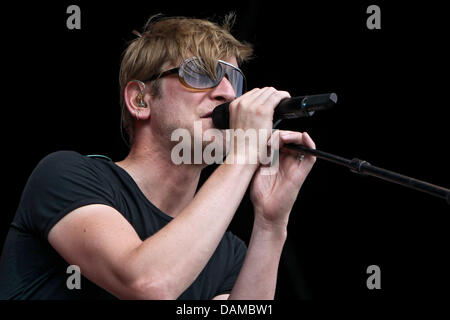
(176, 254)
(258, 276)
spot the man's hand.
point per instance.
(253, 113)
(273, 195)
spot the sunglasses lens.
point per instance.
(195, 75)
(236, 79)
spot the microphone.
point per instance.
(289, 108)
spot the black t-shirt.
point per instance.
(31, 269)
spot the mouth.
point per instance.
(207, 115)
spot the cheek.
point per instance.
(172, 114)
(179, 108)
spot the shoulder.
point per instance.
(64, 164)
(65, 172)
(61, 182)
(63, 155)
(54, 169)
(61, 159)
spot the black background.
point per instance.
(61, 92)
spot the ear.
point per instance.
(137, 99)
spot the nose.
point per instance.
(224, 91)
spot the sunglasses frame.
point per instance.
(177, 71)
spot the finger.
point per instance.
(276, 142)
(298, 138)
(277, 134)
(245, 99)
(294, 137)
(264, 94)
(274, 139)
(269, 97)
(309, 159)
(261, 99)
(254, 98)
(275, 98)
(308, 141)
(248, 96)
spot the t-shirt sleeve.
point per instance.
(62, 182)
(238, 254)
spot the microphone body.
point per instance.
(289, 108)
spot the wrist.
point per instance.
(270, 229)
(243, 172)
(241, 160)
(245, 148)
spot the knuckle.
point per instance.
(283, 94)
(262, 110)
(272, 89)
(234, 104)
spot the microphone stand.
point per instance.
(304, 107)
(364, 168)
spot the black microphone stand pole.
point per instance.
(305, 107)
(364, 168)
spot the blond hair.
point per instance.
(170, 40)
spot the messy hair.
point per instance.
(170, 40)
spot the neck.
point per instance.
(168, 186)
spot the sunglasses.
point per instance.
(193, 74)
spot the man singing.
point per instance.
(137, 229)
